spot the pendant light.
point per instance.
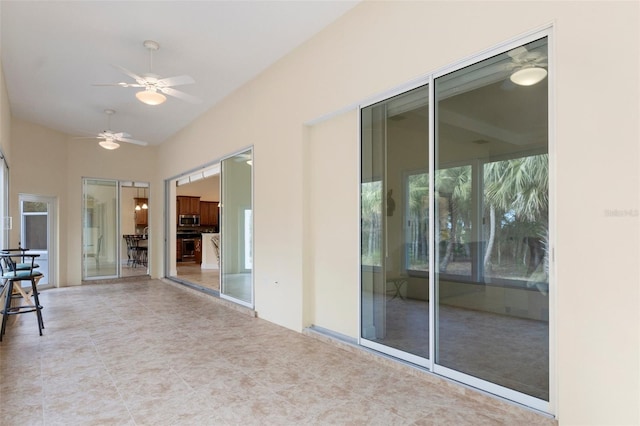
(138, 208)
(144, 204)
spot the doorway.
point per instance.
(197, 201)
(115, 228)
(134, 227)
(37, 232)
(210, 238)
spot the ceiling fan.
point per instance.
(527, 66)
(155, 88)
(517, 67)
(109, 139)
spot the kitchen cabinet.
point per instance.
(187, 205)
(179, 249)
(208, 213)
(141, 216)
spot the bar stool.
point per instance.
(10, 275)
(24, 263)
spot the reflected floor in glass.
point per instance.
(108, 269)
(193, 273)
(238, 286)
(509, 351)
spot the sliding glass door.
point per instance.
(395, 211)
(492, 227)
(100, 228)
(455, 224)
(236, 229)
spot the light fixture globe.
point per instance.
(151, 97)
(528, 76)
(109, 144)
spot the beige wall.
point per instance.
(379, 45)
(331, 235)
(50, 163)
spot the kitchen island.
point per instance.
(210, 253)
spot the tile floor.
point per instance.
(149, 352)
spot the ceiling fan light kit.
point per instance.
(150, 97)
(109, 144)
(528, 76)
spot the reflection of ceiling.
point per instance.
(515, 115)
(208, 189)
(495, 119)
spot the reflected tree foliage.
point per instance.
(371, 225)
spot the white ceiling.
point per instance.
(54, 51)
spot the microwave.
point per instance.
(189, 220)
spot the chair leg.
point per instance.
(7, 306)
(36, 299)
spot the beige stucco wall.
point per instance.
(50, 163)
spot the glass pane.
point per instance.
(394, 223)
(491, 177)
(237, 228)
(34, 207)
(35, 232)
(100, 221)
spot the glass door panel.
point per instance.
(236, 229)
(35, 231)
(100, 229)
(394, 229)
(491, 228)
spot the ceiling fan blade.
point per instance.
(137, 78)
(120, 135)
(87, 137)
(517, 52)
(121, 84)
(178, 80)
(133, 141)
(180, 95)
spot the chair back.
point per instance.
(8, 268)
